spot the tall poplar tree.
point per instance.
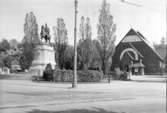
(85, 44)
(106, 36)
(29, 41)
(81, 28)
(61, 41)
(30, 28)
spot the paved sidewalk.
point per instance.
(149, 78)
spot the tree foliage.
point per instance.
(106, 36)
(85, 44)
(85, 53)
(61, 41)
(81, 28)
(166, 62)
(7, 57)
(31, 37)
(69, 57)
(85, 29)
(5, 60)
(162, 41)
(96, 61)
(4, 45)
(27, 55)
(31, 28)
(13, 43)
(88, 29)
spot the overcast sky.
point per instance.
(148, 19)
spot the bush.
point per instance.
(83, 76)
(48, 73)
(90, 76)
(63, 75)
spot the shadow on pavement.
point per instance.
(97, 110)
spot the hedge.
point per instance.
(82, 76)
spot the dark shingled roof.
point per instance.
(150, 45)
(133, 32)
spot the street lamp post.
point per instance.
(74, 83)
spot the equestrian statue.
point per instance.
(45, 33)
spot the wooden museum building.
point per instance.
(134, 53)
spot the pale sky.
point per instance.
(150, 19)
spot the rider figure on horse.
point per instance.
(45, 33)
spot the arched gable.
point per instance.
(131, 50)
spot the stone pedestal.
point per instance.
(44, 54)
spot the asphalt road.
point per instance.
(138, 96)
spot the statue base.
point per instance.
(44, 54)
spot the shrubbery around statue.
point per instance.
(48, 73)
(58, 75)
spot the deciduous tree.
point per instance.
(29, 41)
(4, 45)
(61, 41)
(85, 44)
(27, 55)
(69, 57)
(106, 36)
(31, 28)
(13, 43)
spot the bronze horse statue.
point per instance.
(45, 33)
